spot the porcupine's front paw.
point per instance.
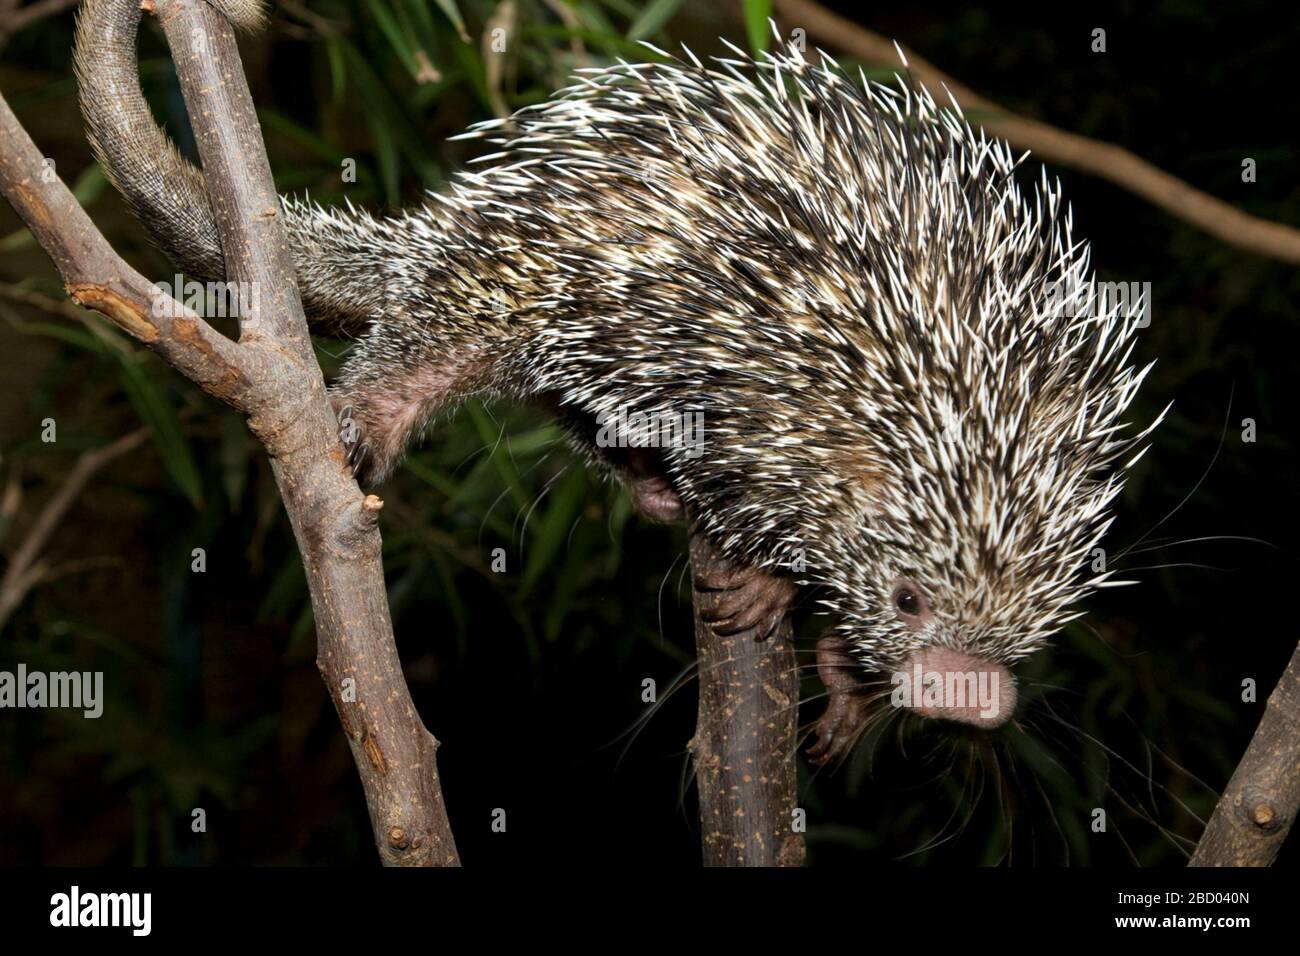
(733, 598)
(846, 708)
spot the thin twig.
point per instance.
(14, 18)
(25, 570)
(1095, 157)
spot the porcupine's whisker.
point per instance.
(1005, 813)
(1047, 754)
(1146, 741)
(1006, 797)
(974, 771)
(1177, 841)
(1173, 543)
(1110, 752)
(1114, 823)
(1180, 768)
(546, 489)
(982, 756)
(659, 597)
(977, 793)
(1200, 481)
(1178, 564)
(506, 491)
(1013, 766)
(942, 836)
(686, 677)
(642, 721)
(1051, 810)
(877, 717)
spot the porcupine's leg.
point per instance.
(846, 710)
(400, 375)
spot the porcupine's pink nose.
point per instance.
(953, 685)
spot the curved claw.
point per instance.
(350, 436)
(357, 459)
(733, 599)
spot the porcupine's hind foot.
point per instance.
(397, 378)
(355, 449)
(847, 707)
(732, 598)
(650, 487)
(376, 426)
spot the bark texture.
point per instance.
(745, 736)
(1255, 813)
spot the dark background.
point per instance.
(532, 679)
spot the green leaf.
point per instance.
(279, 123)
(391, 128)
(158, 413)
(63, 333)
(498, 453)
(89, 184)
(653, 18)
(234, 459)
(449, 8)
(623, 7)
(338, 70)
(757, 13)
(398, 40)
(566, 500)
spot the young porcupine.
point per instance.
(911, 391)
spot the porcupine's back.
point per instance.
(888, 340)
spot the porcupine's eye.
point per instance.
(909, 602)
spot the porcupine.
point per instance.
(912, 392)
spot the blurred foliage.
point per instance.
(532, 677)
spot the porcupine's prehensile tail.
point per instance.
(167, 193)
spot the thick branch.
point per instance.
(1104, 160)
(98, 278)
(337, 529)
(1255, 813)
(271, 375)
(745, 737)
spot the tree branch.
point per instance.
(1104, 160)
(745, 735)
(271, 375)
(97, 278)
(1255, 813)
